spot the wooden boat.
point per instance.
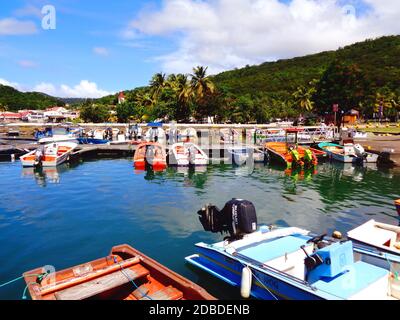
(50, 155)
(291, 154)
(185, 154)
(348, 153)
(126, 274)
(384, 237)
(150, 153)
(290, 263)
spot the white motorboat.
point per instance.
(384, 237)
(60, 134)
(185, 154)
(240, 155)
(50, 155)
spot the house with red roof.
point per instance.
(10, 117)
(121, 97)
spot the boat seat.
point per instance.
(270, 250)
(358, 277)
(102, 284)
(167, 293)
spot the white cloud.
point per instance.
(27, 64)
(27, 11)
(12, 26)
(5, 82)
(224, 34)
(85, 89)
(101, 51)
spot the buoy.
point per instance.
(337, 235)
(245, 287)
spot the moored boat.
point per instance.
(186, 154)
(290, 263)
(50, 155)
(240, 155)
(125, 274)
(60, 134)
(384, 237)
(150, 153)
(290, 153)
(348, 153)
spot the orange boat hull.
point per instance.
(281, 151)
(111, 278)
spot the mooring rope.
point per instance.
(40, 277)
(131, 280)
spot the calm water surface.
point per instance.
(74, 214)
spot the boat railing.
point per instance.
(307, 136)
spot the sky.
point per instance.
(92, 48)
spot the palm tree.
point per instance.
(201, 84)
(183, 93)
(303, 98)
(157, 85)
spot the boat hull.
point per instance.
(125, 274)
(266, 287)
(29, 160)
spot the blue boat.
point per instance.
(291, 263)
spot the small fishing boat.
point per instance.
(384, 237)
(150, 153)
(50, 155)
(240, 155)
(125, 274)
(290, 263)
(291, 153)
(186, 154)
(348, 153)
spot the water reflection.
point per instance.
(43, 176)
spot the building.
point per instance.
(60, 114)
(121, 98)
(351, 117)
(10, 117)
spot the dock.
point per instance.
(388, 147)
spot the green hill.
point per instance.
(378, 59)
(15, 100)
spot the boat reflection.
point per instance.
(46, 175)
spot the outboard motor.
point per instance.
(238, 217)
(359, 150)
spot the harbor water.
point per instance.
(76, 213)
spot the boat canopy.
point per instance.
(155, 124)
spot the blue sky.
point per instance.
(103, 46)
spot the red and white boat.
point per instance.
(187, 154)
(50, 155)
(151, 153)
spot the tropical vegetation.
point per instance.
(364, 76)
